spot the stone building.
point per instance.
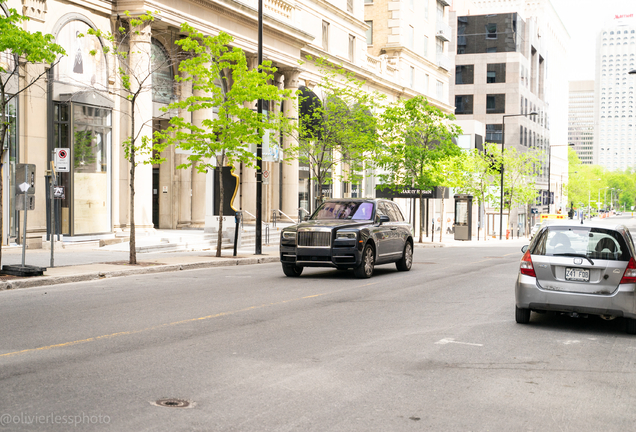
(75, 108)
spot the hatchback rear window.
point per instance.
(594, 243)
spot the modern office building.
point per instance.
(581, 120)
(507, 58)
(614, 145)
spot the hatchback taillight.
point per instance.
(526, 267)
(630, 272)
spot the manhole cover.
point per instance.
(173, 403)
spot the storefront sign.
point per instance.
(434, 193)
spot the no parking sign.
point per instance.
(62, 159)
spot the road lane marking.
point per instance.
(451, 340)
(190, 320)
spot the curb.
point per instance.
(57, 280)
(428, 245)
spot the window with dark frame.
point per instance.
(495, 104)
(496, 73)
(494, 133)
(465, 74)
(491, 31)
(463, 104)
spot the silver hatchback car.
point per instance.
(579, 270)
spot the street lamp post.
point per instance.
(259, 146)
(503, 141)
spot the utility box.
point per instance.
(463, 217)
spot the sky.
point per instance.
(583, 19)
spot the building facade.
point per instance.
(581, 120)
(507, 57)
(614, 146)
(77, 106)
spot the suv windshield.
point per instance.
(344, 210)
(594, 243)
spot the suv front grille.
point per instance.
(314, 239)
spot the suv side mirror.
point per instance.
(383, 219)
(524, 248)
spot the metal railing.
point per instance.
(300, 211)
(276, 213)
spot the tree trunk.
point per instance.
(441, 215)
(422, 221)
(133, 248)
(219, 237)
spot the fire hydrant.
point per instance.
(507, 234)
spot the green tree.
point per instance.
(337, 128)
(34, 48)
(135, 65)
(480, 176)
(584, 181)
(221, 74)
(417, 146)
(520, 173)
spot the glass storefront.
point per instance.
(91, 184)
(82, 122)
(86, 207)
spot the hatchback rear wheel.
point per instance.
(522, 316)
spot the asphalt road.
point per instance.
(433, 349)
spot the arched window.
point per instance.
(162, 74)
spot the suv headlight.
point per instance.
(289, 235)
(346, 235)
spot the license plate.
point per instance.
(577, 274)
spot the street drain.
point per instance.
(173, 403)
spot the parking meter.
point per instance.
(238, 218)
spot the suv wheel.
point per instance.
(522, 316)
(365, 269)
(405, 263)
(292, 270)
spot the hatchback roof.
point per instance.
(591, 224)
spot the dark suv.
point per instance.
(349, 234)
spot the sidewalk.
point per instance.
(163, 251)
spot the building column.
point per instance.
(184, 176)
(140, 54)
(198, 197)
(289, 204)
